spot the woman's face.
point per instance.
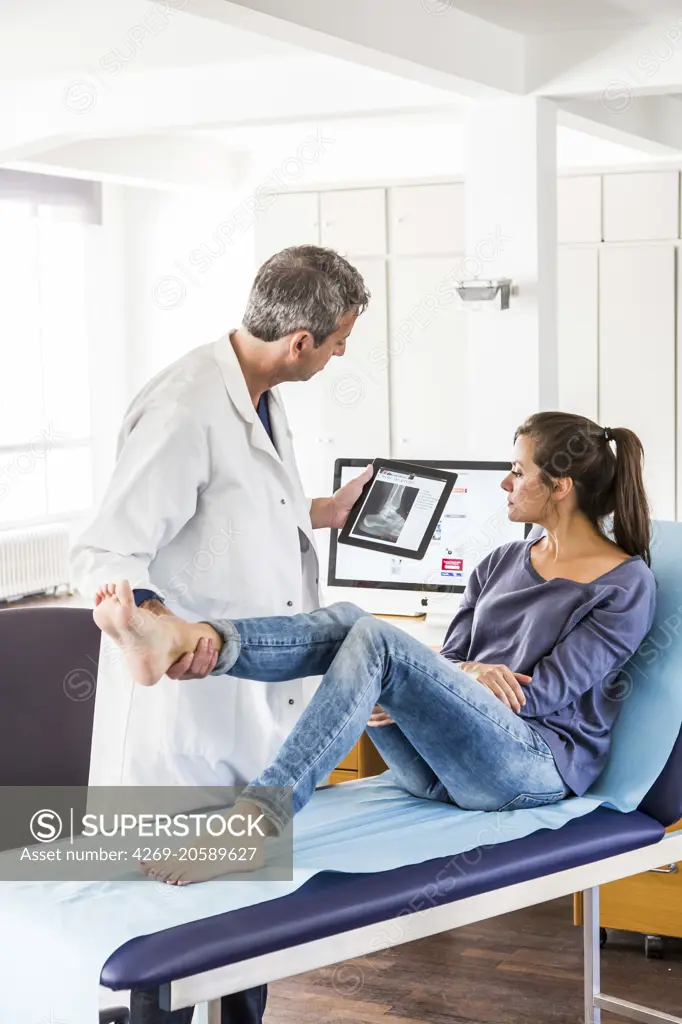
(527, 495)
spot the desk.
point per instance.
(364, 759)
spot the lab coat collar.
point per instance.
(239, 393)
(283, 454)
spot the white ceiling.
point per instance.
(245, 84)
(48, 39)
(535, 16)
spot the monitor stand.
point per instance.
(437, 609)
(440, 611)
(380, 601)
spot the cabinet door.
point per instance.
(355, 406)
(426, 219)
(637, 358)
(578, 322)
(428, 360)
(639, 207)
(579, 208)
(291, 219)
(354, 221)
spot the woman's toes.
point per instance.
(124, 593)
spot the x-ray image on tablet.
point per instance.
(386, 510)
(399, 508)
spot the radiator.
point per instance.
(33, 560)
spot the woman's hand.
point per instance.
(380, 717)
(500, 680)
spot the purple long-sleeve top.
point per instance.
(572, 638)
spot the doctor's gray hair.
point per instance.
(304, 288)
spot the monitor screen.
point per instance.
(473, 523)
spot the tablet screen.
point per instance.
(398, 508)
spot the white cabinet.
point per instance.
(354, 221)
(578, 329)
(637, 358)
(428, 369)
(403, 387)
(579, 208)
(641, 207)
(355, 404)
(292, 218)
(426, 219)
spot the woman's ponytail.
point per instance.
(631, 515)
(606, 469)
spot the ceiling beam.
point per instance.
(153, 161)
(428, 41)
(650, 123)
(647, 61)
(88, 106)
(551, 54)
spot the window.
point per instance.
(45, 444)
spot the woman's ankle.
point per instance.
(196, 631)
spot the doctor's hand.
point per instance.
(196, 665)
(346, 496)
(380, 717)
(500, 680)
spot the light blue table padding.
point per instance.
(54, 938)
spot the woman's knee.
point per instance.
(346, 612)
(370, 628)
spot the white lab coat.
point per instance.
(202, 509)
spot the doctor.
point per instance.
(206, 516)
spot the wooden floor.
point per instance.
(525, 968)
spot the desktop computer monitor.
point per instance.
(473, 522)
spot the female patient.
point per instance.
(517, 709)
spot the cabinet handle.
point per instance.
(671, 869)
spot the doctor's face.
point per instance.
(311, 360)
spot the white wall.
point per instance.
(188, 266)
(109, 357)
(174, 268)
(409, 146)
(360, 149)
(164, 278)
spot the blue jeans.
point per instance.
(453, 740)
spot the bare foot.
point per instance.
(208, 857)
(204, 859)
(150, 643)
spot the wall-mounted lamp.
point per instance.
(479, 290)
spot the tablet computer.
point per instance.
(399, 508)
